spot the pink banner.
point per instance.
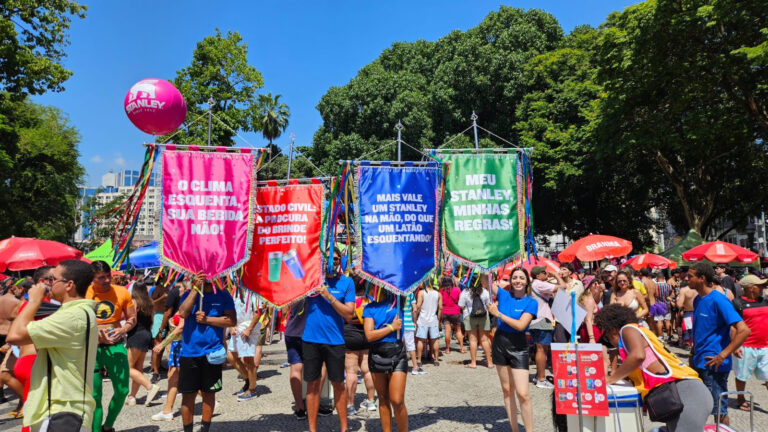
(207, 211)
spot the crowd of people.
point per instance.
(68, 328)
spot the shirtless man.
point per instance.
(685, 304)
(113, 305)
(658, 307)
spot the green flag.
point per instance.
(480, 213)
(102, 253)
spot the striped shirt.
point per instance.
(665, 290)
(408, 313)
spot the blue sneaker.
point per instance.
(246, 396)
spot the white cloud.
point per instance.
(96, 159)
(119, 161)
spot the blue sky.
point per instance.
(301, 48)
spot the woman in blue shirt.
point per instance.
(387, 359)
(514, 310)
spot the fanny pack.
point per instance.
(217, 356)
(386, 354)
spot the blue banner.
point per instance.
(397, 221)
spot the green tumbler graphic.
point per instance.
(275, 260)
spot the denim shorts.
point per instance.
(542, 337)
(716, 382)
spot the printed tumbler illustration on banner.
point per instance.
(275, 262)
(292, 261)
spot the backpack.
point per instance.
(478, 308)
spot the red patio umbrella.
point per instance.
(595, 247)
(33, 253)
(650, 260)
(12, 241)
(550, 264)
(720, 252)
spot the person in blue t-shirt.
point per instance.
(387, 359)
(713, 318)
(514, 310)
(213, 311)
(323, 341)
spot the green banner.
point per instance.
(480, 212)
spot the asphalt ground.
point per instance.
(448, 398)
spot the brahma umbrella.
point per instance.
(32, 253)
(650, 260)
(720, 252)
(595, 247)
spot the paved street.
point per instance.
(449, 398)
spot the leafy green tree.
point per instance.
(578, 189)
(678, 83)
(433, 87)
(220, 72)
(33, 35)
(41, 189)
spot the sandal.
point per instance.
(744, 406)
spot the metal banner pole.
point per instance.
(578, 366)
(474, 126)
(210, 118)
(290, 154)
(399, 127)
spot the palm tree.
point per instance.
(273, 116)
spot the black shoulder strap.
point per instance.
(85, 366)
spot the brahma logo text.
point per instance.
(593, 246)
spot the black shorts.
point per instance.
(354, 337)
(196, 374)
(140, 339)
(510, 349)
(388, 357)
(453, 320)
(315, 354)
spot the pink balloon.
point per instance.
(155, 106)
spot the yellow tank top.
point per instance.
(646, 381)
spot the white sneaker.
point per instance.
(370, 405)
(545, 384)
(152, 394)
(162, 417)
(130, 401)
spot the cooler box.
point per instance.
(625, 412)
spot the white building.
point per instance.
(120, 184)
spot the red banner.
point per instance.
(590, 375)
(285, 259)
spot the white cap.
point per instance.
(610, 268)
